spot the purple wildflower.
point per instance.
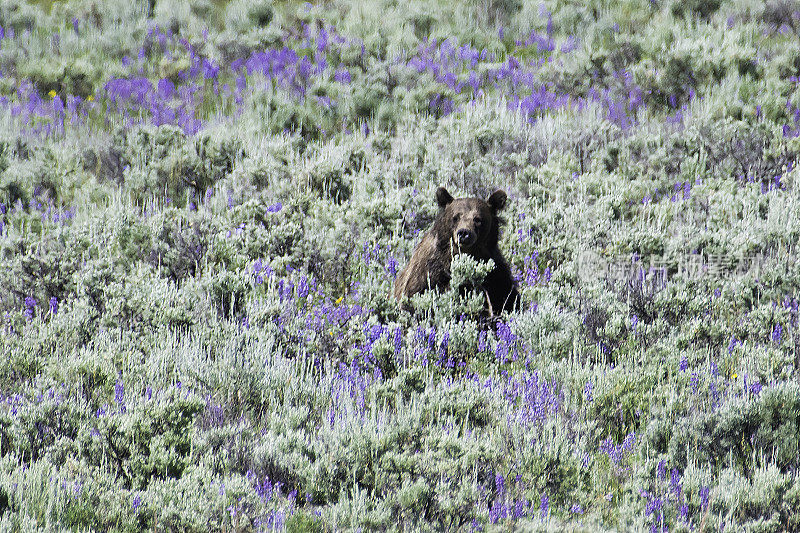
(398, 340)
(629, 441)
(119, 394)
(675, 482)
(391, 266)
(661, 470)
(343, 76)
(732, 344)
(500, 484)
(302, 287)
(703, 498)
(777, 332)
(544, 506)
(30, 307)
(684, 364)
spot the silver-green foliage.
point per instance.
(198, 331)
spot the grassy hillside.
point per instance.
(204, 205)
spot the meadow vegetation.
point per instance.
(204, 205)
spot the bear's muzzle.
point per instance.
(465, 238)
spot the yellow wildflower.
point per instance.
(51, 94)
(339, 300)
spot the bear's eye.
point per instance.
(456, 217)
(477, 221)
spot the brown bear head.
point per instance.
(471, 223)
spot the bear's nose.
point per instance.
(465, 236)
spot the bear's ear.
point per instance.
(497, 200)
(443, 197)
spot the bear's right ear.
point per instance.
(443, 198)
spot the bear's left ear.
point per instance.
(497, 200)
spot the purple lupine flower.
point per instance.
(398, 340)
(443, 347)
(544, 506)
(119, 394)
(496, 512)
(661, 470)
(732, 344)
(302, 288)
(654, 506)
(684, 364)
(500, 484)
(703, 498)
(576, 508)
(53, 305)
(570, 45)
(694, 381)
(30, 307)
(137, 502)
(274, 208)
(675, 482)
(501, 351)
(712, 388)
(210, 69)
(343, 76)
(391, 266)
(374, 333)
(629, 441)
(587, 392)
(777, 333)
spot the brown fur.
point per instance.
(463, 225)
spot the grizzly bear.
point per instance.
(468, 226)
